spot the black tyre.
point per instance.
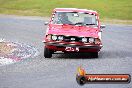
(95, 54)
(81, 80)
(47, 53)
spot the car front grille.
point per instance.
(72, 38)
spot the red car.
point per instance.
(73, 30)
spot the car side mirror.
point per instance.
(46, 23)
(102, 26)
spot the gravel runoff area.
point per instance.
(11, 52)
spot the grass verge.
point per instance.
(110, 9)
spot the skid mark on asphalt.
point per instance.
(11, 52)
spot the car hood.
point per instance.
(72, 30)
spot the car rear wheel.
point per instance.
(94, 54)
(47, 53)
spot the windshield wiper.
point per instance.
(84, 24)
(68, 24)
(90, 24)
(79, 23)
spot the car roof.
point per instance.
(74, 10)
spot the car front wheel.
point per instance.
(94, 54)
(47, 53)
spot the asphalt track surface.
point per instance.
(60, 71)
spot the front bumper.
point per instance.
(60, 46)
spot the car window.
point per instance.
(74, 18)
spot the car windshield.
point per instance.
(75, 18)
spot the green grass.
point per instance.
(108, 9)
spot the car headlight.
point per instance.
(54, 37)
(60, 38)
(84, 40)
(91, 40)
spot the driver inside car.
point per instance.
(63, 19)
